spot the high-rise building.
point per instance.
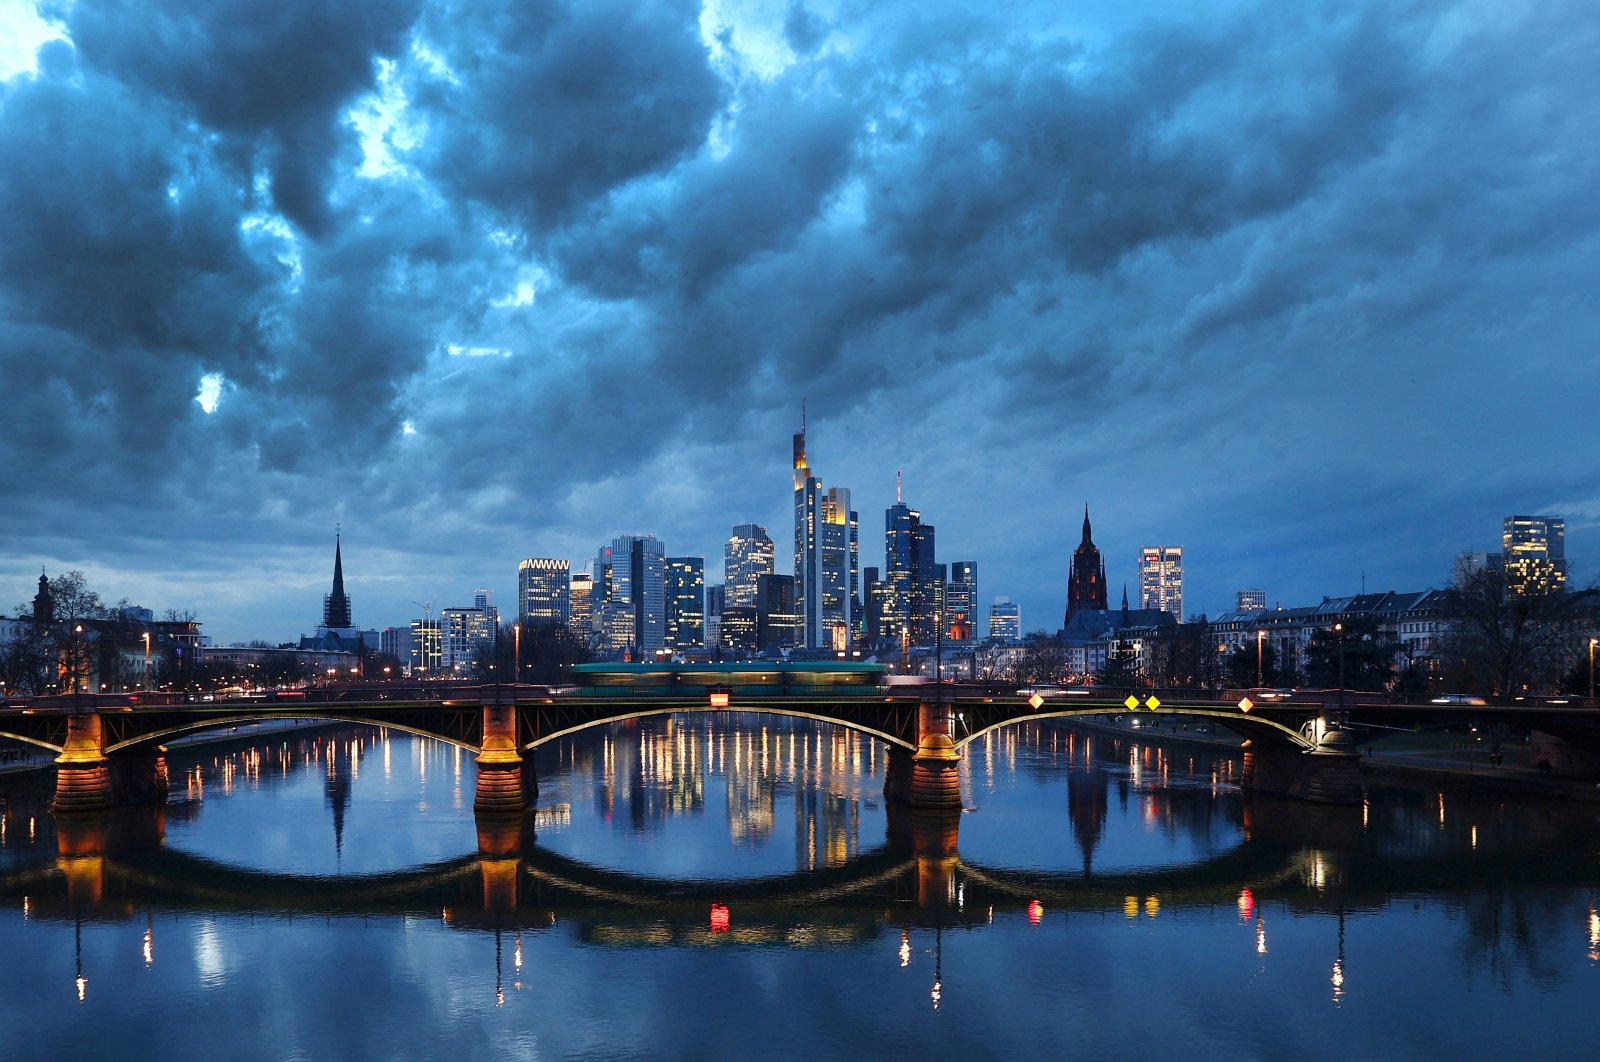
(961, 603)
(580, 617)
(1252, 600)
(426, 645)
(877, 602)
(685, 594)
(544, 590)
(461, 632)
(635, 608)
(748, 555)
(716, 599)
(1161, 579)
(1005, 621)
(738, 629)
(1535, 551)
(826, 557)
(915, 588)
(778, 624)
(1086, 580)
(336, 605)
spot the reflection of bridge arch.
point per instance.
(1255, 728)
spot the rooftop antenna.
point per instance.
(897, 497)
(802, 414)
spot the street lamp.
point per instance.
(1338, 628)
(147, 660)
(1260, 635)
(516, 630)
(1592, 643)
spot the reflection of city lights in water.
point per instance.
(1152, 906)
(1365, 808)
(1594, 934)
(149, 944)
(1319, 871)
(516, 953)
(1130, 907)
(1247, 904)
(937, 994)
(1338, 981)
(905, 948)
(721, 920)
(1261, 935)
(1441, 811)
(1035, 912)
(1474, 837)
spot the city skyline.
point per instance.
(1300, 333)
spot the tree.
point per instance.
(1041, 662)
(1498, 641)
(1244, 670)
(548, 649)
(1359, 654)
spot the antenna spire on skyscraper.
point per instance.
(897, 496)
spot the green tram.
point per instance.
(771, 679)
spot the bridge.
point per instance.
(110, 752)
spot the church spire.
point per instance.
(1086, 539)
(336, 606)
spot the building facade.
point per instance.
(635, 600)
(748, 555)
(961, 604)
(544, 590)
(1161, 579)
(685, 597)
(1250, 600)
(1534, 549)
(1005, 621)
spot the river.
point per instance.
(735, 886)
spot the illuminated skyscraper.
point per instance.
(748, 555)
(1161, 579)
(1005, 621)
(544, 590)
(634, 606)
(461, 632)
(961, 603)
(1252, 600)
(826, 557)
(1535, 552)
(685, 595)
(777, 622)
(915, 587)
(581, 615)
(1086, 580)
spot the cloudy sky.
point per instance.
(1310, 290)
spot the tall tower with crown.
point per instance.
(1086, 580)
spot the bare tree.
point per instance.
(1499, 641)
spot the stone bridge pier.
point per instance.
(89, 781)
(1327, 774)
(929, 777)
(506, 784)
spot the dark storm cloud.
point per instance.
(275, 74)
(1003, 223)
(552, 105)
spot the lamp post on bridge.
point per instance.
(1592, 643)
(516, 637)
(1260, 682)
(147, 661)
(1338, 629)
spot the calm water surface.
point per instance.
(735, 886)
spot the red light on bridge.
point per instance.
(1035, 912)
(720, 918)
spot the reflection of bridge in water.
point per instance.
(116, 865)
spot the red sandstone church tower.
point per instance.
(1086, 582)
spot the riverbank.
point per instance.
(1450, 762)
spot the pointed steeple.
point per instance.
(1086, 540)
(1124, 598)
(336, 606)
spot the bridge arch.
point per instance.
(199, 726)
(1249, 727)
(757, 708)
(26, 740)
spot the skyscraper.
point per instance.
(461, 632)
(580, 617)
(748, 555)
(1005, 621)
(1251, 600)
(777, 622)
(1535, 551)
(685, 598)
(1161, 579)
(915, 589)
(1086, 580)
(544, 593)
(961, 603)
(826, 557)
(635, 606)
